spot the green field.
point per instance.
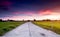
(50, 25)
(7, 26)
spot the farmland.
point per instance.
(7, 26)
(50, 25)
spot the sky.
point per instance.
(30, 9)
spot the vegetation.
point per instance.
(9, 25)
(50, 25)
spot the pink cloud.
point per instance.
(29, 13)
(16, 12)
(46, 12)
(52, 17)
(18, 18)
(24, 13)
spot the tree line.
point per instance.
(29, 20)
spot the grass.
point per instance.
(7, 26)
(50, 25)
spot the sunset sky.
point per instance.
(29, 9)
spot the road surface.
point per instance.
(30, 30)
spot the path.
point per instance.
(30, 30)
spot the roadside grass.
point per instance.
(7, 26)
(50, 25)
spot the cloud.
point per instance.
(16, 13)
(28, 13)
(5, 5)
(48, 12)
(18, 18)
(44, 12)
(52, 17)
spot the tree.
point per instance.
(46, 20)
(10, 20)
(28, 20)
(34, 19)
(1, 20)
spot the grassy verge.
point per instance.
(50, 25)
(7, 26)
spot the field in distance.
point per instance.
(50, 25)
(7, 26)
